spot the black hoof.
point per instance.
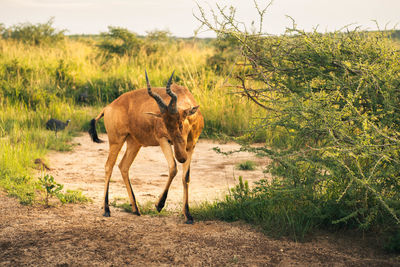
(159, 208)
(189, 221)
(107, 214)
(161, 203)
(136, 213)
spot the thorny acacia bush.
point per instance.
(332, 103)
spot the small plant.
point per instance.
(241, 190)
(247, 165)
(52, 188)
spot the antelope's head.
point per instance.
(173, 118)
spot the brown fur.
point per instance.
(135, 118)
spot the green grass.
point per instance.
(247, 165)
(73, 196)
(148, 208)
(24, 138)
(21, 187)
(278, 211)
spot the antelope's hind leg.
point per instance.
(115, 147)
(132, 149)
(167, 150)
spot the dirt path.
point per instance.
(211, 173)
(76, 235)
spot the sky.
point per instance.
(176, 16)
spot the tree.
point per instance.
(120, 41)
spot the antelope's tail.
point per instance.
(92, 128)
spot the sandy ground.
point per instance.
(211, 173)
(77, 235)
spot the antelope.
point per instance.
(142, 118)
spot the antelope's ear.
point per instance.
(158, 115)
(191, 111)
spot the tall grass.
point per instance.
(40, 75)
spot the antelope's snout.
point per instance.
(181, 158)
(180, 155)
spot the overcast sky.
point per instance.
(139, 16)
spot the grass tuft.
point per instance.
(73, 196)
(247, 165)
(148, 208)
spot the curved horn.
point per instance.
(161, 104)
(172, 104)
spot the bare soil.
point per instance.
(76, 235)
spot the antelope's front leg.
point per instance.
(169, 156)
(186, 181)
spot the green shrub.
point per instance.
(226, 53)
(157, 41)
(120, 41)
(39, 34)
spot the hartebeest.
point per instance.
(142, 118)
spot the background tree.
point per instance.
(33, 34)
(120, 41)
